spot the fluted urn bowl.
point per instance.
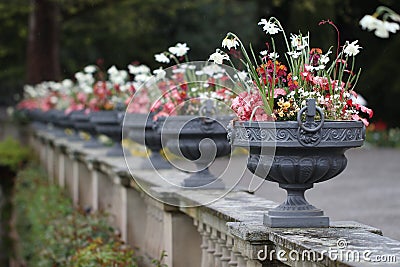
(296, 155)
(141, 129)
(200, 140)
(108, 122)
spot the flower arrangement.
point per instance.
(277, 91)
(93, 90)
(183, 88)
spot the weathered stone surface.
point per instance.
(354, 245)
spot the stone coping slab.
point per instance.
(341, 244)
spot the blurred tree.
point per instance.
(43, 42)
(13, 34)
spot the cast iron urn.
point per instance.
(199, 139)
(141, 129)
(108, 122)
(297, 154)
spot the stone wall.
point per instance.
(226, 232)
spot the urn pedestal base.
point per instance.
(296, 221)
(203, 179)
(295, 211)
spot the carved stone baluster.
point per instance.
(226, 253)
(229, 244)
(61, 170)
(160, 234)
(150, 229)
(50, 163)
(219, 243)
(75, 179)
(211, 245)
(204, 244)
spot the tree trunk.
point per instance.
(43, 62)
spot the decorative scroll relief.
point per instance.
(297, 134)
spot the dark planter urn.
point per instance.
(109, 123)
(186, 136)
(81, 122)
(296, 155)
(141, 129)
(57, 124)
(39, 118)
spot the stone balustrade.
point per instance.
(226, 232)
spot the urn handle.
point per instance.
(311, 109)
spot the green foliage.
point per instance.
(55, 234)
(158, 262)
(14, 32)
(12, 153)
(384, 138)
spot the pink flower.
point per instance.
(279, 92)
(245, 104)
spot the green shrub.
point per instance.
(56, 234)
(13, 154)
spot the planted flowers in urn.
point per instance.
(297, 117)
(189, 114)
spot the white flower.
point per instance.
(229, 43)
(160, 73)
(84, 78)
(212, 69)
(369, 22)
(264, 53)
(391, 26)
(53, 99)
(30, 91)
(308, 68)
(241, 75)
(352, 49)
(162, 58)
(112, 70)
(381, 31)
(218, 57)
(325, 58)
(269, 27)
(273, 55)
(381, 28)
(142, 77)
(55, 86)
(86, 89)
(218, 76)
(179, 70)
(179, 49)
(294, 54)
(138, 69)
(117, 76)
(299, 42)
(90, 69)
(67, 83)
